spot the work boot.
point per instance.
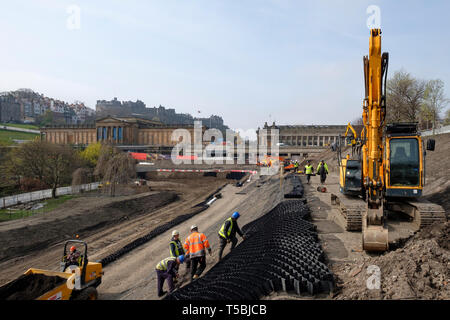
(162, 293)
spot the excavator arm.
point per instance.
(375, 235)
(349, 127)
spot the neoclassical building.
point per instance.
(305, 135)
(122, 131)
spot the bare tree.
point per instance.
(404, 97)
(434, 101)
(106, 153)
(80, 176)
(50, 164)
(60, 163)
(447, 117)
(120, 169)
(358, 125)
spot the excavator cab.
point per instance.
(404, 161)
(350, 177)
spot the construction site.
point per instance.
(325, 212)
(316, 258)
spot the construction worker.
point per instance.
(176, 247)
(308, 171)
(195, 245)
(167, 269)
(227, 233)
(322, 169)
(74, 257)
(296, 166)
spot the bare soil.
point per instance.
(419, 270)
(80, 216)
(437, 172)
(127, 218)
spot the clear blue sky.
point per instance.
(250, 61)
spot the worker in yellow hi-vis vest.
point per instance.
(322, 169)
(308, 171)
(227, 233)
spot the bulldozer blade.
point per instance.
(375, 238)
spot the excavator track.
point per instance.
(422, 212)
(427, 213)
(351, 210)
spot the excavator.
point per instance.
(387, 171)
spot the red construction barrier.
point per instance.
(138, 156)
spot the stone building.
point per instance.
(9, 109)
(307, 135)
(299, 141)
(118, 108)
(135, 133)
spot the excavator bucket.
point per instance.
(375, 238)
(374, 235)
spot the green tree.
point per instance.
(46, 119)
(91, 154)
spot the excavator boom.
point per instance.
(375, 235)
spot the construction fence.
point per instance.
(44, 194)
(441, 130)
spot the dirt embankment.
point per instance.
(437, 171)
(419, 270)
(20, 237)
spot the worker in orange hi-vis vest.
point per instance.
(195, 246)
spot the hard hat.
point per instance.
(193, 227)
(235, 215)
(72, 248)
(175, 233)
(181, 258)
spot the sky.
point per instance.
(249, 61)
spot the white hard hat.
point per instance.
(175, 233)
(193, 227)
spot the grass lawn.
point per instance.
(6, 137)
(21, 125)
(50, 204)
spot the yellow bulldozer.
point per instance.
(386, 171)
(71, 282)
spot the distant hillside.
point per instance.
(27, 106)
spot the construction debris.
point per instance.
(418, 270)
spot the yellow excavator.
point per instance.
(388, 170)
